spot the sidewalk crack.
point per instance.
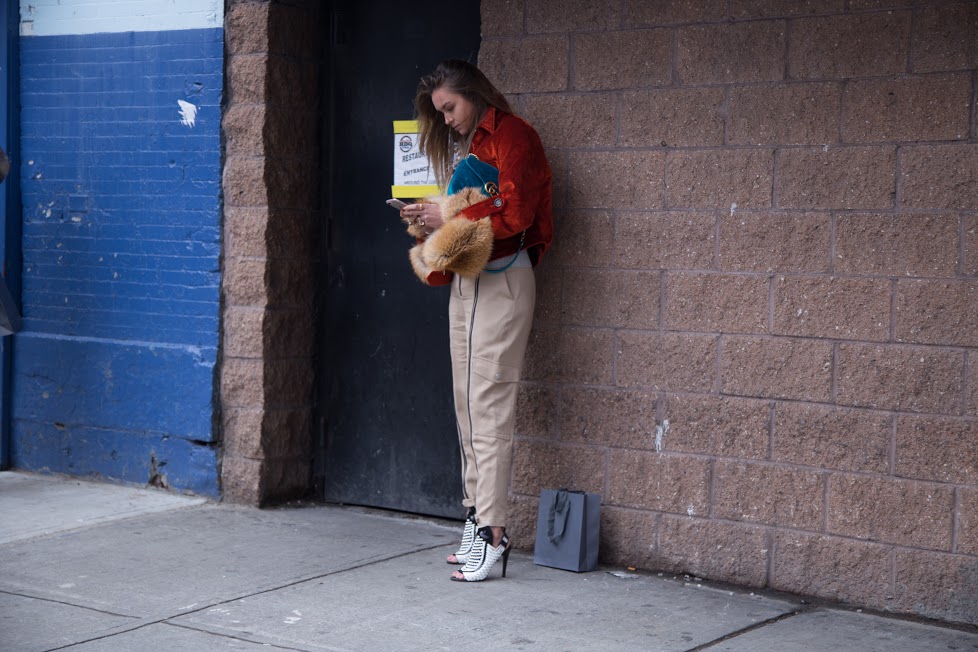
(755, 626)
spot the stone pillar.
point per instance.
(271, 210)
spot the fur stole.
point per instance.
(460, 245)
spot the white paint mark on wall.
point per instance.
(660, 434)
(188, 113)
(733, 208)
(690, 511)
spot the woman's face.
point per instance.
(459, 112)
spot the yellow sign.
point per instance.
(412, 172)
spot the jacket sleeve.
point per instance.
(524, 174)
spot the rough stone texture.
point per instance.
(608, 417)
(672, 118)
(245, 79)
(971, 399)
(666, 362)
(572, 120)
(741, 52)
(724, 552)
(890, 511)
(571, 355)
(759, 493)
(832, 307)
(719, 179)
(943, 450)
(594, 297)
(645, 14)
(671, 240)
(526, 65)
(939, 176)
(915, 379)
(243, 332)
(778, 8)
(792, 114)
(536, 410)
(616, 179)
(832, 568)
(628, 537)
(715, 426)
(772, 242)
(244, 231)
(908, 109)
(570, 16)
(937, 312)
(944, 38)
(547, 465)
(599, 64)
(716, 303)
(834, 47)
(777, 368)
(663, 483)
(836, 178)
(969, 262)
(521, 520)
(244, 182)
(242, 428)
(241, 383)
(831, 438)
(896, 245)
(937, 586)
(582, 239)
(502, 17)
(548, 282)
(968, 521)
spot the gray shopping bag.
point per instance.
(568, 530)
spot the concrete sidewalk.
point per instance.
(94, 567)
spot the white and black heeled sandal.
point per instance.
(484, 556)
(468, 538)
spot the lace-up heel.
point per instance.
(468, 538)
(484, 556)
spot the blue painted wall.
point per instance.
(114, 373)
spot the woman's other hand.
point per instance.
(424, 218)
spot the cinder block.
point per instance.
(937, 312)
(599, 64)
(785, 114)
(291, 184)
(942, 450)
(502, 17)
(243, 331)
(908, 109)
(729, 53)
(572, 120)
(290, 283)
(760, 493)
(292, 234)
(715, 426)
(246, 79)
(246, 28)
(726, 179)
(583, 239)
(294, 30)
(244, 230)
(944, 38)
(665, 483)
(832, 307)
(526, 65)
(654, 14)
(832, 438)
(570, 16)
(775, 242)
(289, 333)
(618, 179)
(896, 245)
(521, 520)
(717, 303)
(837, 47)
(549, 465)
(594, 297)
(670, 240)
(241, 383)
(536, 410)
(244, 282)
(608, 417)
(287, 432)
(967, 519)
(244, 182)
(287, 383)
(240, 480)
(242, 432)
(741, 9)
(628, 537)
(777, 368)
(969, 261)
(669, 362)
(243, 127)
(724, 552)
(882, 509)
(935, 585)
(288, 135)
(836, 178)
(939, 176)
(549, 279)
(831, 567)
(672, 118)
(570, 355)
(971, 399)
(889, 377)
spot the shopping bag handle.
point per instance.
(558, 507)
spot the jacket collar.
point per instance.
(488, 124)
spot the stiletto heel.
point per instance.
(484, 556)
(468, 538)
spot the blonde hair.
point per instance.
(436, 139)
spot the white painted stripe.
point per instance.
(59, 17)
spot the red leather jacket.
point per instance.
(512, 146)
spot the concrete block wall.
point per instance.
(755, 336)
(120, 168)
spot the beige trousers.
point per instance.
(489, 320)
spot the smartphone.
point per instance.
(396, 203)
